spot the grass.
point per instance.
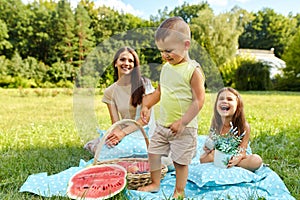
(43, 131)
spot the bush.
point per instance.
(253, 75)
(228, 69)
(287, 84)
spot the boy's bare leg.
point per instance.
(181, 179)
(155, 170)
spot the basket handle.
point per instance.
(123, 121)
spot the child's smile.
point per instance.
(227, 104)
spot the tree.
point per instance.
(268, 30)
(63, 37)
(218, 34)
(4, 44)
(188, 12)
(84, 34)
(17, 20)
(297, 17)
(40, 40)
(291, 76)
(253, 75)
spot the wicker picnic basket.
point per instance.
(134, 180)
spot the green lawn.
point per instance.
(42, 131)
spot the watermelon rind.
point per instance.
(88, 179)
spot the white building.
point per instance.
(265, 56)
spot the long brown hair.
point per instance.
(238, 119)
(137, 87)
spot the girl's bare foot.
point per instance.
(149, 188)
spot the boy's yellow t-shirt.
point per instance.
(176, 92)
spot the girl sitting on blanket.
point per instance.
(229, 108)
(124, 97)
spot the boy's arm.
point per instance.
(149, 101)
(198, 92)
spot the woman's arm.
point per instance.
(113, 113)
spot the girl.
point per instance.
(229, 108)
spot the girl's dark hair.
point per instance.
(137, 87)
(238, 119)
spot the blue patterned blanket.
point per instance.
(205, 181)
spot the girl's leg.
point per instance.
(251, 162)
(155, 171)
(207, 157)
(181, 179)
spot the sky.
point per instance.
(145, 8)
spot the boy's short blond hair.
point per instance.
(173, 25)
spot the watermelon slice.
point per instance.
(97, 182)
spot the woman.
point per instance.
(124, 97)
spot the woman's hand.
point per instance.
(115, 137)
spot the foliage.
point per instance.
(188, 12)
(217, 34)
(52, 32)
(229, 69)
(85, 42)
(291, 76)
(246, 73)
(40, 41)
(4, 44)
(29, 73)
(253, 75)
(213, 80)
(268, 30)
(229, 142)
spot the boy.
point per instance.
(181, 94)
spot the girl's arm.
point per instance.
(235, 160)
(244, 144)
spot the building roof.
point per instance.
(266, 56)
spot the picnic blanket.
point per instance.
(205, 181)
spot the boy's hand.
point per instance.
(145, 114)
(177, 127)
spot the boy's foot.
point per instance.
(178, 196)
(149, 188)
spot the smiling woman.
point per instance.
(124, 97)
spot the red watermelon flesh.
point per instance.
(97, 182)
(137, 167)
